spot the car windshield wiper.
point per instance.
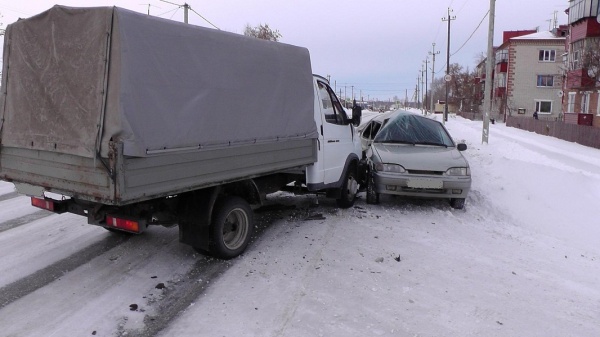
(433, 143)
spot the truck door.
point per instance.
(337, 134)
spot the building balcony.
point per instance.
(579, 78)
(586, 27)
(500, 92)
(502, 67)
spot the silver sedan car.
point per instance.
(414, 156)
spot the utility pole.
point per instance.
(421, 87)
(432, 53)
(425, 94)
(345, 97)
(185, 6)
(417, 93)
(449, 19)
(487, 102)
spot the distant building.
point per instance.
(528, 74)
(581, 89)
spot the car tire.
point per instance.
(348, 190)
(372, 195)
(457, 203)
(231, 227)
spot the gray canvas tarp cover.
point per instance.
(77, 78)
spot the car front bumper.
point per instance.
(422, 186)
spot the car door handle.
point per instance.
(333, 141)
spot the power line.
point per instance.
(169, 11)
(205, 19)
(473, 33)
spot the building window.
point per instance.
(545, 81)
(501, 82)
(547, 55)
(543, 107)
(598, 105)
(571, 102)
(585, 103)
(501, 56)
(576, 52)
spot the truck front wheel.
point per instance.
(231, 227)
(348, 190)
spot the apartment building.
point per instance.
(581, 99)
(528, 74)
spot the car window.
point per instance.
(413, 129)
(332, 109)
(371, 130)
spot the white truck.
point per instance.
(132, 120)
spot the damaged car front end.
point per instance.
(415, 156)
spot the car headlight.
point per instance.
(458, 171)
(392, 168)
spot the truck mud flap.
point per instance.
(195, 217)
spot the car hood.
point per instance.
(419, 157)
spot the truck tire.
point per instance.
(231, 227)
(349, 189)
(372, 195)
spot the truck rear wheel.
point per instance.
(349, 189)
(231, 227)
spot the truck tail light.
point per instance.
(42, 203)
(123, 224)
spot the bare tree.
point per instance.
(262, 32)
(591, 60)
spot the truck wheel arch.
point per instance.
(197, 207)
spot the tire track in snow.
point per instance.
(9, 195)
(197, 280)
(4, 226)
(45, 276)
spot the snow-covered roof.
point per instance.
(544, 35)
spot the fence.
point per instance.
(581, 134)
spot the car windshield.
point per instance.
(407, 128)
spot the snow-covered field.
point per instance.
(522, 259)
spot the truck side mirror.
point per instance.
(461, 147)
(356, 115)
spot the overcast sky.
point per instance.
(377, 46)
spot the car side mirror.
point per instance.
(461, 147)
(356, 115)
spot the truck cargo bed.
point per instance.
(142, 178)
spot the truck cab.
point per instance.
(339, 147)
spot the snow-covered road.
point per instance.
(522, 259)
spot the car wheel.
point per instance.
(457, 203)
(349, 190)
(372, 195)
(231, 227)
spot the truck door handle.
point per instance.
(333, 141)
